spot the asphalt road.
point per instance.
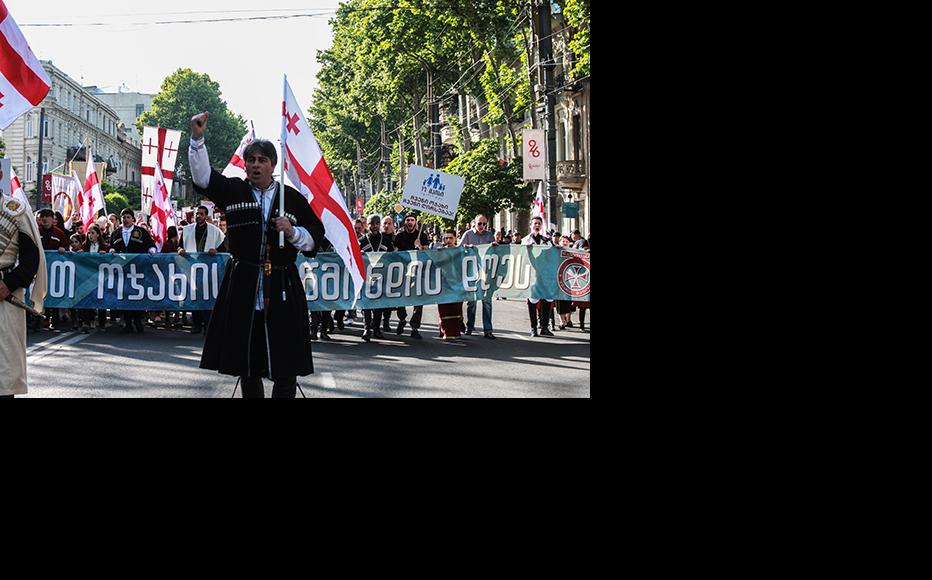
(164, 363)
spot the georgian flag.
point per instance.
(18, 193)
(307, 170)
(539, 209)
(159, 145)
(163, 214)
(23, 81)
(91, 201)
(237, 165)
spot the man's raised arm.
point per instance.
(197, 152)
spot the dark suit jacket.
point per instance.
(139, 242)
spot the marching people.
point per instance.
(374, 241)
(322, 321)
(53, 239)
(536, 238)
(199, 237)
(131, 239)
(260, 325)
(388, 228)
(95, 243)
(410, 238)
(21, 261)
(479, 235)
(451, 315)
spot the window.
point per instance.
(29, 130)
(140, 109)
(45, 166)
(45, 130)
(30, 170)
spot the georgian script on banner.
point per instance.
(192, 282)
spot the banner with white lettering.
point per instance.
(192, 282)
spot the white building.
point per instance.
(72, 115)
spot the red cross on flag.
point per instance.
(163, 214)
(237, 166)
(91, 201)
(307, 170)
(159, 145)
(23, 81)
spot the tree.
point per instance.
(577, 15)
(184, 94)
(116, 202)
(492, 185)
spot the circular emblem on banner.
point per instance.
(63, 200)
(573, 277)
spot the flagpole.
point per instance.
(281, 185)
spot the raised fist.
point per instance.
(198, 125)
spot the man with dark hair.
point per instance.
(260, 326)
(579, 242)
(410, 238)
(201, 237)
(374, 241)
(536, 238)
(131, 239)
(54, 239)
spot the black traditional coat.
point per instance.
(230, 343)
(140, 242)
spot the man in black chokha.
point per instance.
(259, 328)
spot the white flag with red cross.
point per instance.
(92, 198)
(17, 189)
(540, 208)
(159, 145)
(162, 216)
(303, 162)
(237, 165)
(23, 82)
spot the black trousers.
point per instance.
(415, 318)
(373, 319)
(133, 317)
(321, 319)
(543, 315)
(253, 387)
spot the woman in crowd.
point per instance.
(451, 315)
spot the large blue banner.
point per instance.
(192, 282)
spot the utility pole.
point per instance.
(362, 174)
(546, 61)
(386, 158)
(39, 161)
(434, 107)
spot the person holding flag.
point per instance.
(260, 326)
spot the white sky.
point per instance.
(247, 59)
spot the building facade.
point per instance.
(73, 116)
(128, 106)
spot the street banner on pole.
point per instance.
(433, 192)
(535, 158)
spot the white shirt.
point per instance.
(126, 234)
(200, 174)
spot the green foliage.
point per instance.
(577, 14)
(130, 193)
(491, 187)
(2, 148)
(184, 94)
(116, 202)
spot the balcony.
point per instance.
(571, 174)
